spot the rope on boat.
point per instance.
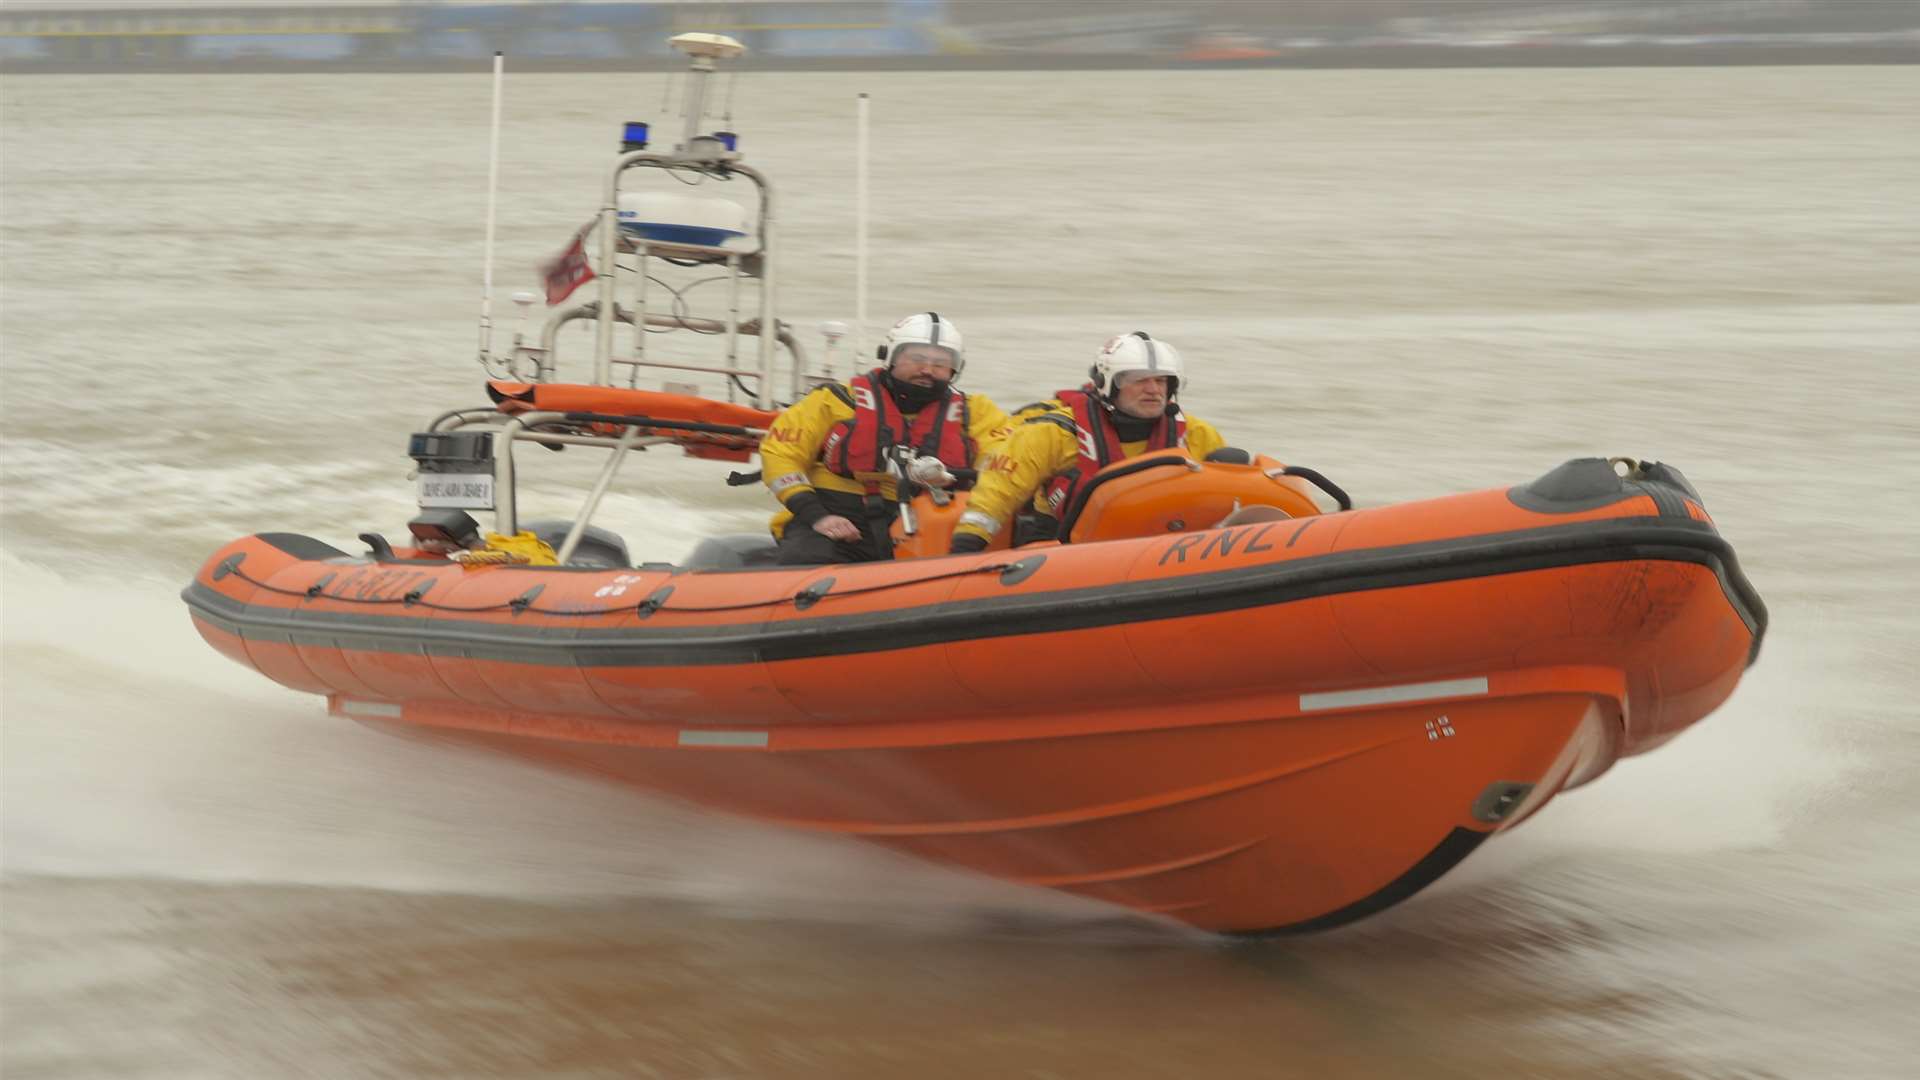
(646, 607)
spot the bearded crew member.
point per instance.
(1128, 408)
(825, 457)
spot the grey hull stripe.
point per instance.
(1386, 695)
(723, 738)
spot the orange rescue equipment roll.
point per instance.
(571, 397)
(515, 397)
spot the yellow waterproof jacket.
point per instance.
(790, 453)
(1040, 450)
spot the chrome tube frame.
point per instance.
(608, 268)
(509, 429)
(506, 518)
(550, 335)
(599, 491)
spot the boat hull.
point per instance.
(1275, 727)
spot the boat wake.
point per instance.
(1740, 782)
(133, 752)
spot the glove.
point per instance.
(966, 544)
(929, 472)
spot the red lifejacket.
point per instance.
(1100, 443)
(857, 448)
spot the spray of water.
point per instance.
(132, 750)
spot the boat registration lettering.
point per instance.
(1220, 542)
(456, 491)
(377, 584)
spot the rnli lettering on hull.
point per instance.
(377, 584)
(1249, 539)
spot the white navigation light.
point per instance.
(716, 46)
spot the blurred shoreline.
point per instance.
(1327, 57)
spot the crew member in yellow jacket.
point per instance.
(1129, 408)
(825, 457)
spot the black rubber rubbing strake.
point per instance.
(1014, 614)
(1668, 501)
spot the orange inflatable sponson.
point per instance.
(1279, 725)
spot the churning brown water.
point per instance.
(227, 300)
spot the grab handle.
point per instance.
(1313, 477)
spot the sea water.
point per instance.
(227, 300)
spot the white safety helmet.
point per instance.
(1136, 353)
(926, 328)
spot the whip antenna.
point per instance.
(860, 235)
(493, 192)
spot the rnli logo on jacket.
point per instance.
(1088, 448)
(956, 410)
(862, 398)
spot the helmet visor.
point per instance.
(923, 353)
(1122, 378)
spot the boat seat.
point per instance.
(736, 552)
(598, 547)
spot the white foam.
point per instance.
(1739, 780)
(132, 749)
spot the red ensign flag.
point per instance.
(569, 269)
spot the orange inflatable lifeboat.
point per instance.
(1223, 696)
(1211, 700)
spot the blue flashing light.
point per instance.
(634, 135)
(728, 139)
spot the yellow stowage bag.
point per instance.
(523, 547)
